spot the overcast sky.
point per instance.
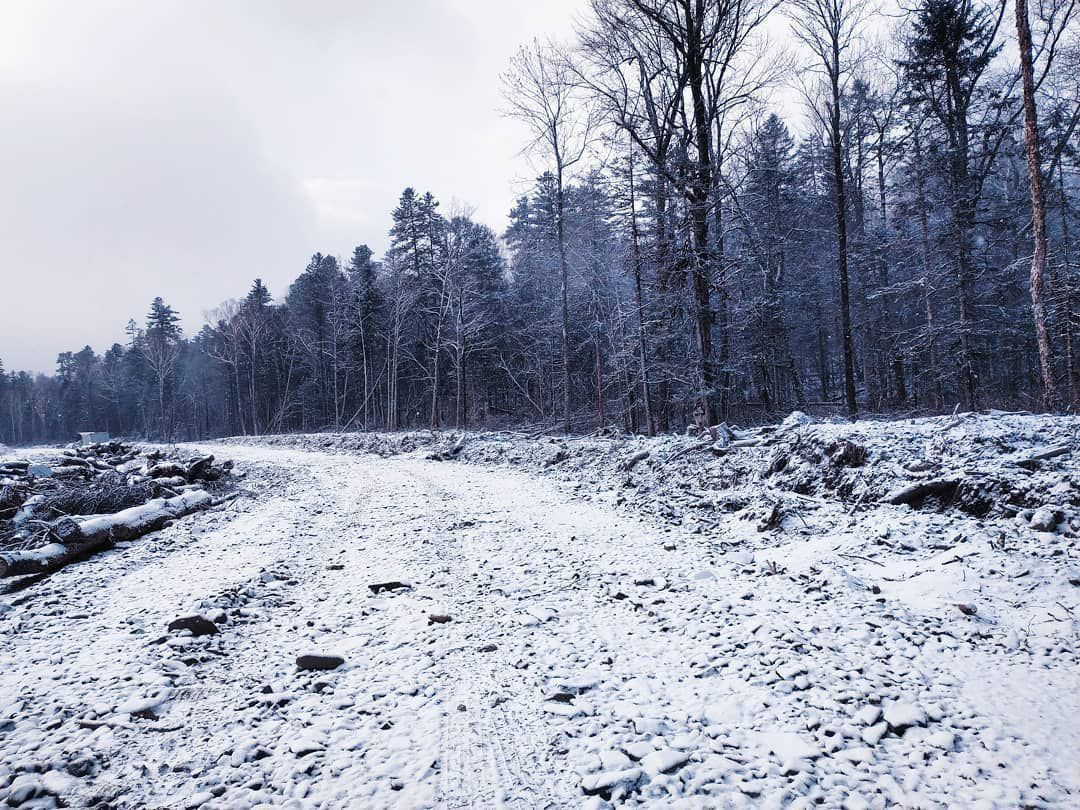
(183, 147)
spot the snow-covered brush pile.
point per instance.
(380, 444)
(990, 464)
(66, 506)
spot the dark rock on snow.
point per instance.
(196, 625)
(318, 662)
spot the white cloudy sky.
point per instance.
(183, 147)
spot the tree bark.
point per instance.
(1038, 208)
(924, 239)
(639, 300)
(841, 233)
(560, 199)
(700, 188)
(1072, 373)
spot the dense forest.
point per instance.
(905, 241)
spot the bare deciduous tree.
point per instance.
(541, 91)
(829, 28)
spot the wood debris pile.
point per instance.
(65, 507)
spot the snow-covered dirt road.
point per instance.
(548, 652)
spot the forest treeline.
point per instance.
(683, 254)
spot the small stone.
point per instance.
(438, 618)
(856, 755)
(198, 800)
(666, 760)
(872, 734)
(302, 746)
(867, 715)
(638, 750)
(900, 715)
(790, 670)
(1044, 520)
(196, 625)
(789, 746)
(319, 662)
(945, 740)
(143, 707)
(854, 801)
(562, 697)
(380, 587)
(607, 781)
(615, 761)
(23, 788)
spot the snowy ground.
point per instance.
(613, 636)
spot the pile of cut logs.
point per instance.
(55, 513)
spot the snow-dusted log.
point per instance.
(167, 469)
(452, 453)
(90, 535)
(199, 467)
(914, 493)
(1031, 460)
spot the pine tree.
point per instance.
(367, 309)
(951, 46)
(161, 349)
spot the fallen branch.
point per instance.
(1033, 459)
(633, 461)
(687, 450)
(913, 493)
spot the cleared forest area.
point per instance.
(813, 613)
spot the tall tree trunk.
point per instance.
(560, 210)
(896, 360)
(364, 366)
(700, 190)
(252, 390)
(435, 374)
(664, 283)
(963, 206)
(841, 235)
(1038, 207)
(460, 352)
(598, 363)
(1072, 373)
(924, 240)
(639, 300)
